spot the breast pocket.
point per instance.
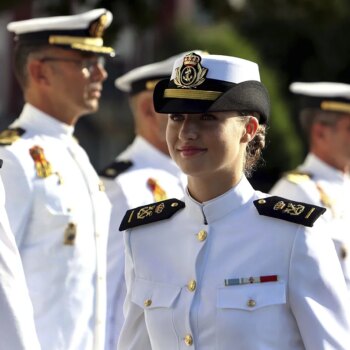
(158, 301)
(244, 310)
(51, 213)
(54, 195)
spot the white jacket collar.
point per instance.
(33, 119)
(215, 209)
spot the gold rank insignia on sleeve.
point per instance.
(297, 176)
(151, 213)
(115, 169)
(285, 209)
(9, 136)
(42, 166)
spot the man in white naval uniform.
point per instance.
(17, 329)
(142, 173)
(56, 205)
(323, 179)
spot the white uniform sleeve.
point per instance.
(17, 330)
(116, 289)
(134, 334)
(317, 292)
(18, 189)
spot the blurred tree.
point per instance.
(304, 39)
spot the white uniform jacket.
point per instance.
(176, 271)
(17, 329)
(127, 190)
(327, 187)
(59, 216)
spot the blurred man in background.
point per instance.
(57, 209)
(323, 178)
(141, 174)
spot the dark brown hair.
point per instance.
(255, 147)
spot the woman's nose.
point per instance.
(189, 130)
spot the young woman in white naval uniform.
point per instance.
(228, 268)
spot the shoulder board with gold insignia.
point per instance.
(147, 214)
(9, 136)
(298, 177)
(286, 209)
(115, 169)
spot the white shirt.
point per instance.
(175, 281)
(329, 188)
(126, 191)
(17, 329)
(61, 224)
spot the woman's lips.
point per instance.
(189, 151)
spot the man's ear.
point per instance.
(318, 131)
(250, 129)
(146, 106)
(37, 72)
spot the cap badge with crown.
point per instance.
(191, 74)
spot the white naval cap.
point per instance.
(219, 67)
(212, 83)
(328, 96)
(147, 76)
(81, 32)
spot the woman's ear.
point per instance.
(250, 129)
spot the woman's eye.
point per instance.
(176, 117)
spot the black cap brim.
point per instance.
(249, 96)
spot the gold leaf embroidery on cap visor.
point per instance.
(335, 106)
(192, 94)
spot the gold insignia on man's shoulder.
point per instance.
(154, 212)
(116, 168)
(297, 176)
(9, 136)
(191, 74)
(286, 209)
